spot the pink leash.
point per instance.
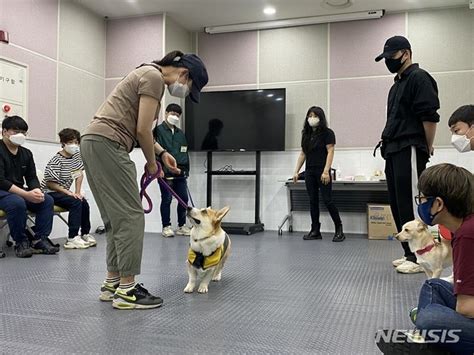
(147, 179)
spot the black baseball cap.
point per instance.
(197, 72)
(393, 45)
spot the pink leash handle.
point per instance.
(147, 179)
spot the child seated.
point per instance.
(64, 168)
(445, 312)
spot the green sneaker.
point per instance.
(107, 291)
(135, 298)
(413, 314)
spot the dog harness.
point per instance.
(425, 249)
(198, 260)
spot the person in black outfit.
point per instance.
(317, 145)
(17, 167)
(408, 136)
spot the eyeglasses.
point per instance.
(419, 199)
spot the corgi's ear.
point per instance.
(421, 225)
(222, 212)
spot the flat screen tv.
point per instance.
(242, 120)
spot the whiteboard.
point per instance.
(13, 88)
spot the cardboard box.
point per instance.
(380, 223)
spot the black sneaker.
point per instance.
(54, 245)
(2, 254)
(136, 298)
(402, 342)
(43, 247)
(23, 249)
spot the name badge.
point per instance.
(184, 149)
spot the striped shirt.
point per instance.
(63, 171)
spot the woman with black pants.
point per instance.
(317, 145)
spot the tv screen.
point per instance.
(237, 121)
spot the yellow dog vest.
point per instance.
(198, 260)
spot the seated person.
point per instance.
(64, 168)
(171, 138)
(446, 311)
(461, 124)
(17, 167)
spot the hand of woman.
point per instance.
(325, 179)
(295, 178)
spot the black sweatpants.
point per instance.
(313, 185)
(402, 170)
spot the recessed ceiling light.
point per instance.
(260, 90)
(270, 95)
(279, 99)
(340, 4)
(269, 10)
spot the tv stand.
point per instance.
(238, 228)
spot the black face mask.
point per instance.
(394, 65)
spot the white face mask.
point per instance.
(71, 148)
(174, 120)
(178, 89)
(313, 121)
(18, 139)
(461, 143)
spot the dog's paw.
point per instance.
(217, 277)
(189, 288)
(202, 289)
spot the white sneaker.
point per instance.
(183, 230)
(89, 239)
(167, 232)
(409, 267)
(76, 243)
(399, 262)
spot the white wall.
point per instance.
(238, 192)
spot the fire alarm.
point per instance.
(6, 108)
(4, 36)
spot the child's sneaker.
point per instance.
(136, 297)
(76, 243)
(167, 232)
(89, 239)
(183, 230)
(107, 291)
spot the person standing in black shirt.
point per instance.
(17, 167)
(317, 145)
(408, 136)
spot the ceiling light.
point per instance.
(260, 90)
(269, 10)
(279, 99)
(339, 4)
(270, 95)
(302, 21)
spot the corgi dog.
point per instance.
(432, 255)
(209, 247)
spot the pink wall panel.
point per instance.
(354, 45)
(131, 42)
(230, 58)
(31, 24)
(41, 92)
(358, 110)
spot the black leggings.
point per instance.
(313, 185)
